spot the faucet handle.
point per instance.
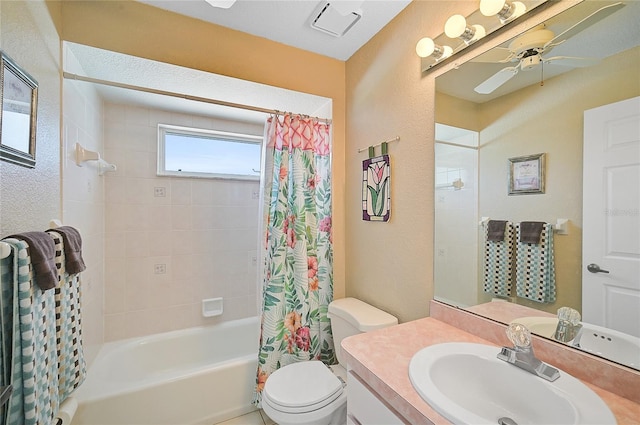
(519, 335)
(569, 314)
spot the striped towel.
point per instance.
(34, 367)
(71, 363)
(535, 267)
(498, 262)
(6, 324)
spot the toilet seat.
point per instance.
(302, 387)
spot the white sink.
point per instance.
(467, 384)
(613, 345)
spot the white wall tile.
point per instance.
(82, 201)
(201, 230)
(181, 191)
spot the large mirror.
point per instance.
(496, 110)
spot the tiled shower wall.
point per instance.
(171, 242)
(83, 197)
(456, 219)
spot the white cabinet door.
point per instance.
(611, 217)
(365, 408)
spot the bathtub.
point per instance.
(201, 375)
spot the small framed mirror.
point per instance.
(18, 101)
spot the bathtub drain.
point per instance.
(506, 421)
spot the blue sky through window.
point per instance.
(203, 154)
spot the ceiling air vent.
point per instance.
(330, 21)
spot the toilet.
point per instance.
(322, 400)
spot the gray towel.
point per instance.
(42, 252)
(530, 231)
(495, 230)
(72, 249)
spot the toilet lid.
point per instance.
(302, 387)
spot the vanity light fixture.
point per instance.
(426, 47)
(456, 27)
(506, 10)
(470, 28)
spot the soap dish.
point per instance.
(212, 307)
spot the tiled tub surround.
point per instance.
(386, 370)
(170, 241)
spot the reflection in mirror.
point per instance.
(525, 97)
(461, 32)
(18, 104)
(617, 346)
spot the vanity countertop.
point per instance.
(382, 359)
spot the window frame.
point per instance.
(163, 129)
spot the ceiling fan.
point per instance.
(528, 50)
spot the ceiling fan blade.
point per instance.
(496, 80)
(495, 55)
(596, 16)
(572, 61)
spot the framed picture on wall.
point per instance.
(18, 103)
(526, 174)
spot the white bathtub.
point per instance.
(194, 376)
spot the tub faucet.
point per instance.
(521, 355)
(568, 325)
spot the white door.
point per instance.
(611, 217)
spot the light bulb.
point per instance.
(491, 7)
(507, 11)
(456, 26)
(426, 47)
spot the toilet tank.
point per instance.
(350, 316)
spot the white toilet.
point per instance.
(310, 392)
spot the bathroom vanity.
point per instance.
(378, 364)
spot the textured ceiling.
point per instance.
(289, 21)
(284, 21)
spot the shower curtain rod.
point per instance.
(180, 95)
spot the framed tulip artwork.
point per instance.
(376, 188)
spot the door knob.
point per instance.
(594, 268)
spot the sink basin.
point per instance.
(467, 384)
(613, 345)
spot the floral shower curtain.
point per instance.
(297, 278)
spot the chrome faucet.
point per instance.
(521, 355)
(568, 325)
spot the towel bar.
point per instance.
(560, 228)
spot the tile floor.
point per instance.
(254, 418)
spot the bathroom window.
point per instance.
(191, 152)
